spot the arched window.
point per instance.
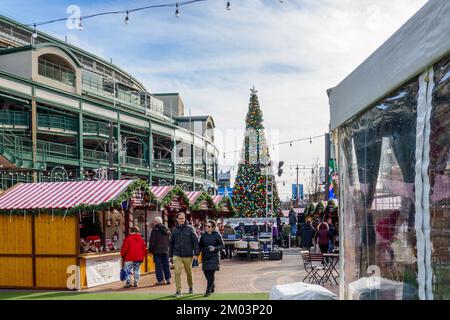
(57, 68)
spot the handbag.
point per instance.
(123, 274)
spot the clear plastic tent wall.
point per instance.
(394, 162)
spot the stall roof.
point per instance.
(160, 191)
(62, 195)
(420, 42)
(193, 196)
(217, 199)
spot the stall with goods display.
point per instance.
(65, 235)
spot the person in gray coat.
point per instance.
(210, 245)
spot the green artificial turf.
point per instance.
(53, 295)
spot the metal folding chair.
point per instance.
(312, 270)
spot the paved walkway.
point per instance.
(235, 276)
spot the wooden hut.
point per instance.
(64, 235)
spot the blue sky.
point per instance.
(291, 52)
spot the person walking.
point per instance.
(332, 232)
(323, 236)
(301, 220)
(228, 230)
(183, 249)
(159, 247)
(293, 222)
(286, 232)
(133, 252)
(210, 244)
(306, 234)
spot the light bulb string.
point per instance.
(283, 142)
(174, 4)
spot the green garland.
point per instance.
(320, 208)
(114, 203)
(231, 207)
(175, 191)
(204, 197)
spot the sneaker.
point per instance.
(191, 291)
(168, 282)
(178, 294)
(127, 285)
(207, 294)
(159, 283)
(135, 285)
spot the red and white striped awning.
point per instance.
(217, 199)
(160, 191)
(62, 195)
(193, 195)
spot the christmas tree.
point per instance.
(251, 192)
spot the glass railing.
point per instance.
(57, 122)
(95, 128)
(105, 88)
(162, 165)
(14, 118)
(56, 72)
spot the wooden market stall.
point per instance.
(199, 208)
(169, 201)
(64, 235)
(224, 207)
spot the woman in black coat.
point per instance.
(211, 244)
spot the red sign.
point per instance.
(204, 205)
(175, 203)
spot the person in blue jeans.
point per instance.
(159, 247)
(133, 253)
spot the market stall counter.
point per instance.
(65, 235)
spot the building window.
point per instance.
(54, 67)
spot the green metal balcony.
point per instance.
(56, 72)
(96, 156)
(184, 169)
(14, 119)
(200, 170)
(19, 147)
(56, 150)
(57, 123)
(95, 128)
(162, 165)
(136, 162)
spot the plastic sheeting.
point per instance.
(421, 180)
(301, 291)
(377, 152)
(416, 45)
(439, 181)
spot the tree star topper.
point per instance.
(253, 90)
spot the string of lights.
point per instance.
(281, 143)
(127, 12)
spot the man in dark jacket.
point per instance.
(293, 222)
(306, 236)
(183, 249)
(159, 247)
